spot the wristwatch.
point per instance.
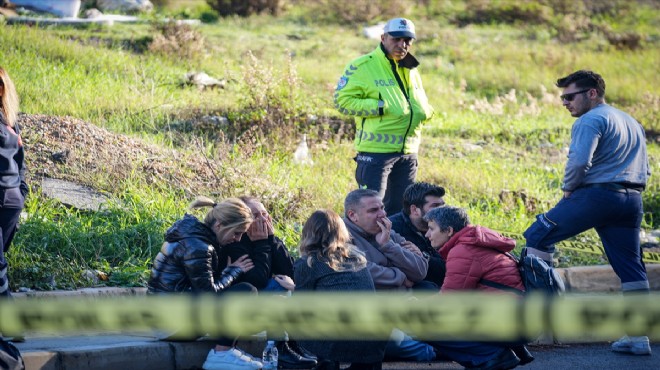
(381, 105)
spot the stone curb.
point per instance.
(84, 292)
(129, 355)
(583, 279)
(602, 279)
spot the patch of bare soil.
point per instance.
(71, 149)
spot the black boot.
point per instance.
(523, 354)
(326, 365)
(296, 347)
(504, 360)
(290, 359)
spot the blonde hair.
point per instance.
(326, 237)
(231, 213)
(9, 99)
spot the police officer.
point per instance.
(383, 91)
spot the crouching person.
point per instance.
(476, 260)
(187, 261)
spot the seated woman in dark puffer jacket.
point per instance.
(188, 259)
(475, 257)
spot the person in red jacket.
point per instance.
(475, 257)
(473, 253)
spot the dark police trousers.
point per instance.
(387, 173)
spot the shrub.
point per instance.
(356, 11)
(161, 3)
(493, 12)
(272, 100)
(591, 7)
(245, 8)
(178, 40)
(625, 40)
(572, 27)
(209, 16)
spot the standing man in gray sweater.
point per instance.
(605, 175)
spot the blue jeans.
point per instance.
(273, 286)
(616, 216)
(387, 173)
(406, 348)
(468, 354)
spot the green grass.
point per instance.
(491, 86)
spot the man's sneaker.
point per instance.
(232, 359)
(633, 345)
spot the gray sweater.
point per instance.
(391, 264)
(607, 145)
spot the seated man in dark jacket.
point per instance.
(418, 199)
(272, 272)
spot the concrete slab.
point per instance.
(74, 195)
(42, 360)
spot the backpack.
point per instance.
(10, 357)
(535, 273)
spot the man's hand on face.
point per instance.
(384, 235)
(406, 244)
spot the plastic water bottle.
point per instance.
(269, 357)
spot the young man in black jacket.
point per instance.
(418, 199)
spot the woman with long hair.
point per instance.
(328, 262)
(188, 260)
(13, 187)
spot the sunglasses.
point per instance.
(571, 96)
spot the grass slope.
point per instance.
(498, 142)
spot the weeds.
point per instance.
(272, 100)
(177, 40)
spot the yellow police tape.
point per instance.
(465, 316)
(648, 257)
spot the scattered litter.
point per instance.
(373, 32)
(60, 8)
(125, 6)
(204, 81)
(301, 155)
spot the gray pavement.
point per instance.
(134, 351)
